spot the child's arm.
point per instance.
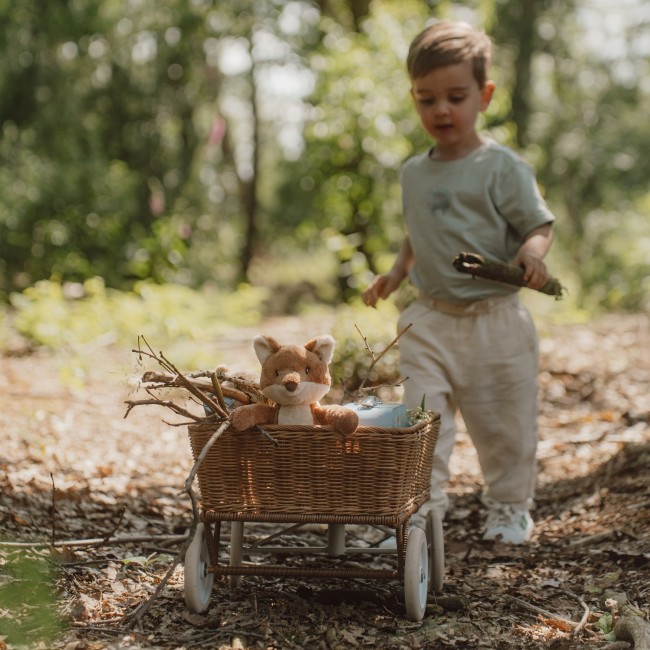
(383, 285)
(531, 254)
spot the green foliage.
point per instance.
(174, 317)
(104, 130)
(28, 603)
(360, 130)
(162, 144)
(605, 623)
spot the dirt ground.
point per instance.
(73, 469)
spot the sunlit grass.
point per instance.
(76, 317)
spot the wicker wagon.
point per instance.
(376, 476)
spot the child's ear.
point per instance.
(486, 94)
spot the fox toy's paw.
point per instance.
(341, 419)
(246, 417)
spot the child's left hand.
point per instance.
(535, 273)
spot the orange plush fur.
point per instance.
(295, 377)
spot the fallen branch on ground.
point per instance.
(541, 612)
(95, 541)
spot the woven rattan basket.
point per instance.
(315, 470)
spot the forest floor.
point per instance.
(72, 468)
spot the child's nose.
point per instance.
(441, 108)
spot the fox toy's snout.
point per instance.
(290, 385)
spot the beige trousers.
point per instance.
(482, 359)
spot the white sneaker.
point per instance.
(508, 524)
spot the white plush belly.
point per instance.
(295, 414)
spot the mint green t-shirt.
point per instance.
(484, 203)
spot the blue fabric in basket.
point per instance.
(373, 412)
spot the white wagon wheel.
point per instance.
(436, 541)
(198, 582)
(416, 569)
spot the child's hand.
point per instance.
(535, 273)
(382, 286)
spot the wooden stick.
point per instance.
(169, 380)
(166, 403)
(136, 617)
(206, 399)
(95, 541)
(477, 266)
(215, 436)
(218, 392)
(538, 610)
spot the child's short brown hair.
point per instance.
(446, 43)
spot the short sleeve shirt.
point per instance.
(484, 203)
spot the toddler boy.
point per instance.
(473, 345)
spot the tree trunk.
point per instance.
(249, 187)
(520, 18)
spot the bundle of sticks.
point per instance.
(218, 391)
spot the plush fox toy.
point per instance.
(295, 377)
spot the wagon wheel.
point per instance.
(236, 550)
(198, 582)
(436, 541)
(416, 569)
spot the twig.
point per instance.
(112, 631)
(538, 610)
(53, 538)
(197, 392)
(117, 525)
(368, 389)
(217, 391)
(159, 402)
(585, 616)
(169, 380)
(111, 541)
(243, 384)
(375, 359)
(268, 436)
(592, 539)
(178, 376)
(136, 616)
(215, 436)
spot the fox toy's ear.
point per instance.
(323, 346)
(264, 347)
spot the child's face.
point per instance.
(448, 100)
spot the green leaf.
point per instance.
(605, 623)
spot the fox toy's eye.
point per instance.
(277, 373)
(307, 370)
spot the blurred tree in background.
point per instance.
(261, 140)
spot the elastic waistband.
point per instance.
(470, 308)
